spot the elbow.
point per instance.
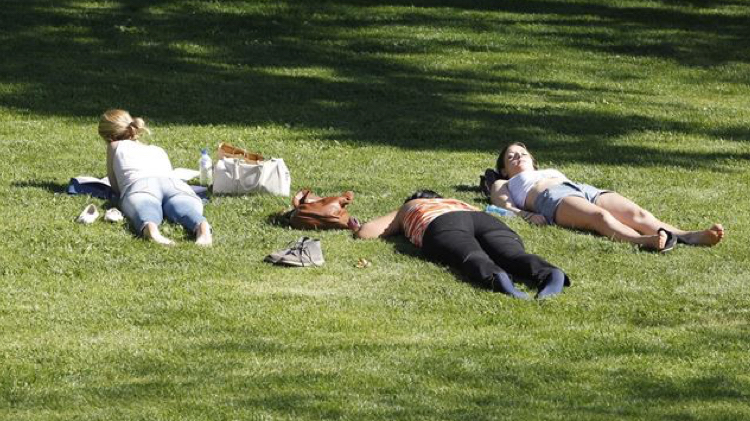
(367, 232)
(363, 235)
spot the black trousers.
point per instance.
(481, 245)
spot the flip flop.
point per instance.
(671, 240)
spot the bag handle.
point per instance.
(306, 196)
(299, 198)
(236, 174)
(226, 150)
(346, 198)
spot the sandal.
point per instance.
(671, 240)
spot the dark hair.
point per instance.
(423, 194)
(500, 163)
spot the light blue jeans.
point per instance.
(151, 199)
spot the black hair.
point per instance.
(423, 194)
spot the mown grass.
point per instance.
(649, 98)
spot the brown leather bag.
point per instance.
(315, 212)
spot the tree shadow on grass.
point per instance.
(623, 29)
(308, 67)
(326, 367)
(281, 374)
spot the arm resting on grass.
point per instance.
(500, 196)
(382, 226)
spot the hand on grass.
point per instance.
(354, 224)
(536, 219)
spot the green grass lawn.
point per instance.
(649, 98)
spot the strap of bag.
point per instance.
(236, 175)
(346, 198)
(299, 198)
(226, 150)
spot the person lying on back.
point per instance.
(548, 197)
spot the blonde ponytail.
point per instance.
(119, 125)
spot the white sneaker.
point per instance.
(89, 214)
(113, 215)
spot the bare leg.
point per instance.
(645, 222)
(203, 235)
(576, 212)
(151, 232)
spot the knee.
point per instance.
(641, 215)
(601, 217)
(474, 257)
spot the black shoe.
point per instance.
(671, 240)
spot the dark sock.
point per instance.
(553, 285)
(501, 283)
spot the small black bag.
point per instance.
(487, 180)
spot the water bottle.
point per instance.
(499, 211)
(205, 166)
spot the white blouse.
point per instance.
(520, 184)
(134, 160)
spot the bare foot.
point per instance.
(203, 235)
(654, 242)
(709, 237)
(151, 232)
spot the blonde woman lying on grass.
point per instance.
(548, 197)
(142, 177)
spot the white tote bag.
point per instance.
(236, 176)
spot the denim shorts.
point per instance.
(548, 201)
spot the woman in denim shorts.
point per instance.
(549, 197)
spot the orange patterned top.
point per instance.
(419, 215)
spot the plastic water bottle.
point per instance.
(499, 211)
(205, 166)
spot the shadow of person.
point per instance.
(403, 246)
(58, 188)
(480, 201)
(50, 186)
(467, 188)
(280, 218)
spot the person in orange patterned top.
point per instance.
(462, 236)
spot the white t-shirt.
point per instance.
(133, 161)
(520, 184)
